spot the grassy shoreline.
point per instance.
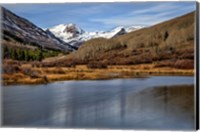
(81, 72)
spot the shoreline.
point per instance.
(45, 75)
(55, 81)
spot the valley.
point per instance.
(30, 58)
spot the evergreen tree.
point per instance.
(23, 55)
(40, 57)
(26, 56)
(14, 54)
(5, 52)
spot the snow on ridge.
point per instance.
(71, 33)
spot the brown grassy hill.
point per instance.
(170, 43)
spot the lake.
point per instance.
(157, 102)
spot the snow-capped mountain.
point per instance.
(74, 35)
(66, 31)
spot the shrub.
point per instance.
(187, 56)
(11, 62)
(48, 64)
(29, 72)
(167, 63)
(184, 64)
(98, 65)
(34, 74)
(165, 35)
(59, 70)
(36, 64)
(9, 69)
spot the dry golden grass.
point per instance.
(81, 72)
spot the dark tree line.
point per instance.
(22, 54)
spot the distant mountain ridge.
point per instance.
(74, 35)
(24, 31)
(64, 37)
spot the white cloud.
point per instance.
(136, 20)
(149, 16)
(157, 8)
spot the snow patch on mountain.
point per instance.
(17, 27)
(74, 35)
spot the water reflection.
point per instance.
(127, 103)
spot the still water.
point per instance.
(160, 102)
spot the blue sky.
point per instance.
(101, 16)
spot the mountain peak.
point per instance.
(73, 28)
(70, 24)
(73, 34)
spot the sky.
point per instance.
(101, 16)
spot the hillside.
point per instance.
(20, 34)
(170, 43)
